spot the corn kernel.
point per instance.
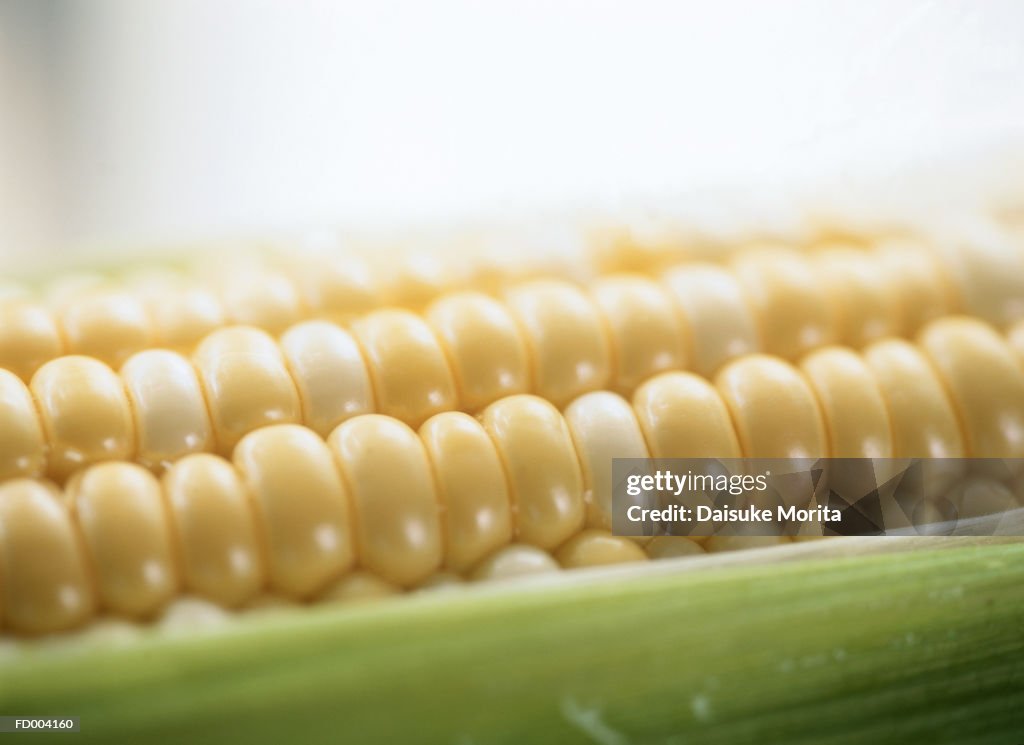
(410, 374)
(44, 585)
(214, 529)
(119, 509)
(542, 468)
(302, 510)
(567, 341)
(22, 445)
(246, 383)
(716, 311)
(590, 548)
(397, 520)
(471, 487)
(85, 413)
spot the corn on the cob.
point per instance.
(294, 514)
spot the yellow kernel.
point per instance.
(302, 510)
(245, 382)
(861, 295)
(107, 632)
(566, 338)
(987, 274)
(188, 617)
(646, 332)
(29, 337)
(922, 289)
(337, 288)
(788, 300)
(215, 530)
(542, 468)
(856, 420)
(721, 322)
(169, 411)
(487, 353)
(85, 413)
(682, 416)
(181, 316)
(603, 426)
(517, 560)
(329, 372)
(397, 517)
(774, 410)
(471, 486)
(923, 422)
(640, 246)
(414, 279)
(108, 326)
(120, 511)
(22, 447)
(855, 413)
(591, 548)
(266, 300)
(984, 382)
(44, 583)
(410, 374)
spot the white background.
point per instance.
(123, 120)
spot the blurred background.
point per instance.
(127, 122)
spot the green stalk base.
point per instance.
(904, 648)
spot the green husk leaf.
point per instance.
(926, 646)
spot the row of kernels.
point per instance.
(624, 329)
(974, 267)
(164, 406)
(91, 315)
(563, 350)
(470, 350)
(293, 513)
(958, 393)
